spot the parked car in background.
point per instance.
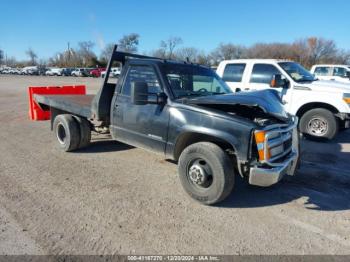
(323, 107)
(87, 72)
(339, 73)
(67, 71)
(97, 72)
(115, 72)
(42, 70)
(54, 72)
(33, 71)
(4, 69)
(28, 70)
(15, 71)
(77, 72)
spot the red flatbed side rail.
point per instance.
(36, 112)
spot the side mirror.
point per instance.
(348, 74)
(141, 96)
(277, 81)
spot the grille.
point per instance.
(279, 144)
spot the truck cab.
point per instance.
(323, 107)
(186, 113)
(340, 73)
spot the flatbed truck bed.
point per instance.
(76, 104)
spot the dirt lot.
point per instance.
(115, 199)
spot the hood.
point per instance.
(267, 100)
(328, 86)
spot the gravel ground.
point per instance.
(114, 199)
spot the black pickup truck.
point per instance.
(188, 114)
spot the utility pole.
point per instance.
(68, 53)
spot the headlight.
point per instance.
(346, 98)
(260, 137)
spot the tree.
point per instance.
(11, 61)
(313, 50)
(227, 52)
(32, 56)
(321, 49)
(271, 50)
(160, 52)
(106, 53)
(129, 43)
(343, 57)
(190, 53)
(168, 46)
(86, 54)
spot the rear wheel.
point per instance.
(318, 124)
(85, 131)
(206, 172)
(67, 132)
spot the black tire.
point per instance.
(342, 127)
(326, 124)
(85, 131)
(217, 186)
(67, 132)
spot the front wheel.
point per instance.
(206, 172)
(318, 124)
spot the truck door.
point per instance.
(144, 126)
(340, 74)
(260, 78)
(233, 75)
(323, 72)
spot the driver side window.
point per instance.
(339, 71)
(262, 73)
(141, 73)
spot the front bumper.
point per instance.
(268, 176)
(271, 173)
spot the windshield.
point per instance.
(297, 72)
(189, 80)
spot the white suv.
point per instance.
(78, 72)
(323, 107)
(339, 73)
(115, 72)
(54, 72)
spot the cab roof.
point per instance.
(330, 65)
(256, 60)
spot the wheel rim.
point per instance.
(317, 126)
(199, 173)
(61, 134)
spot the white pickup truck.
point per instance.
(340, 73)
(323, 107)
